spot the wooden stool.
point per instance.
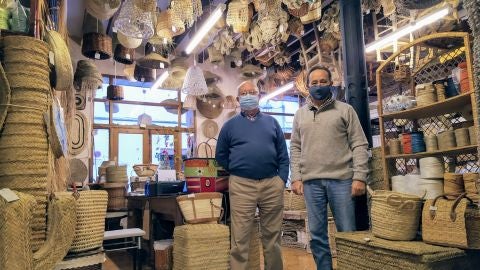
(132, 240)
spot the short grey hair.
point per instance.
(252, 82)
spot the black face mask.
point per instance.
(320, 92)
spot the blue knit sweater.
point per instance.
(253, 149)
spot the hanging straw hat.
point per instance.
(129, 71)
(209, 128)
(97, 46)
(63, 62)
(173, 109)
(129, 42)
(87, 74)
(251, 71)
(4, 96)
(314, 13)
(190, 102)
(211, 78)
(102, 9)
(210, 105)
(142, 74)
(152, 59)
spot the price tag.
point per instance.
(114, 29)
(162, 65)
(9, 195)
(97, 56)
(51, 58)
(434, 208)
(127, 56)
(191, 195)
(153, 49)
(281, 28)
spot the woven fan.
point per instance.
(194, 83)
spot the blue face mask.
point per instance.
(248, 102)
(320, 92)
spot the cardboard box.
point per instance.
(163, 254)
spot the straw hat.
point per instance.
(210, 105)
(102, 10)
(251, 71)
(152, 59)
(4, 96)
(129, 42)
(172, 109)
(63, 62)
(209, 128)
(142, 74)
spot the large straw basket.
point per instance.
(124, 55)
(201, 207)
(145, 169)
(454, 223)
(201, 246)
(63, 62)
(117, 174)
(453, 183)
(292, 201)
(97, 46)
(364, 251)
(116, 195)
(314, 13)
(91, 211)
(395, 216)
(15, 231)
(239, 16)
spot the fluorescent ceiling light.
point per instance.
(202, 32)
(388, 39)
(277, 92)
(160, 80)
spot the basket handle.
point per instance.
(395, 200)
(207, 147)
(453, 213)
(217, 207)
(408, 205)
(433, 207)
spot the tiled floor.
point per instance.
(294, 259)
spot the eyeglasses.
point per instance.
(251, 92)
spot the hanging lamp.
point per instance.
(134, 22)
(194, 83)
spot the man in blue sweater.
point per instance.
(251, 146)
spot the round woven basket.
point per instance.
(314, 13)
(395, 216)
(97, 46)
(117, 174)
(209, 128)
(299, 12)
(461, 137)
(142, 74)
(63, 62)
(210, 105)
(446, 140)
(91, 211)
(116, 195)
(145, 169)
(114, 92)
(239, 16)
(472, 133)
(291, 201)
(124, 55)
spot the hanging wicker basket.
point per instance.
(314, 13)
(299, 12)
(328, 43)
(97, 46)
(239, 16)
(214, 56)
(142, 74)
(401, 73)
(124, 55)
(153, 61)
(417, 4)
(129, 42)
(114, 92)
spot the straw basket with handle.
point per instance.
(292, 201)
(201, 207)
(453, 223)
(395, 216)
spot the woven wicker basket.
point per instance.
(116, 195)
(299, 12)
(201, 207)
(314, 13)
(395, 216)
(453, 183)
(239, 16)
(142, 74)
(97, 46)
(145, 169)
(91, 211)
(124, 55)
(63, 62)
(291, 201)
(114, 92)
(117, 174)
(201, 246)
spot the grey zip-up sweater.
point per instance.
(328, 144)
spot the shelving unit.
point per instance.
(430, 58)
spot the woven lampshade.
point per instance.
(194, 83)
(230, 103)
(134, 22)
(239, 16)
(87, 76)
(187, 10)
(169, 25)
(124, 55)
(251, 71)
(314, 13)
(97, 46)
(102, 9)
(153, 60)
(114, 92)
(190, 102)
(129, 42)
(142, 74)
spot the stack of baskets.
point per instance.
(425, 94)
(24, 149)
(116, 196)
(202, 243)
(117, 174)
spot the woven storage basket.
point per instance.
(401, 73)
(314, 13)
(97, 46)
(299, 12)
(363, 251)
(472, 133)
(201, 247)
(471, 182)
(239, 16)
(15, 231)
(454, 223)
(124, 55)
(453, 183)
(116, 195)
(291, 201)
(117, 174)
(63, 62)
(461, 137)
(446, 140)
(114, 92)
(201, 207)
(395, 216)
(91, 211)
(142, 74)
(145, 169)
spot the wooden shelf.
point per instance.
(447, 152)
(450, 105)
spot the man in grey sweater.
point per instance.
(329, 162)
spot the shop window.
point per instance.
(285, 121)
(101, 142)
(161, 116)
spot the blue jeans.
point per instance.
(338, 193)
